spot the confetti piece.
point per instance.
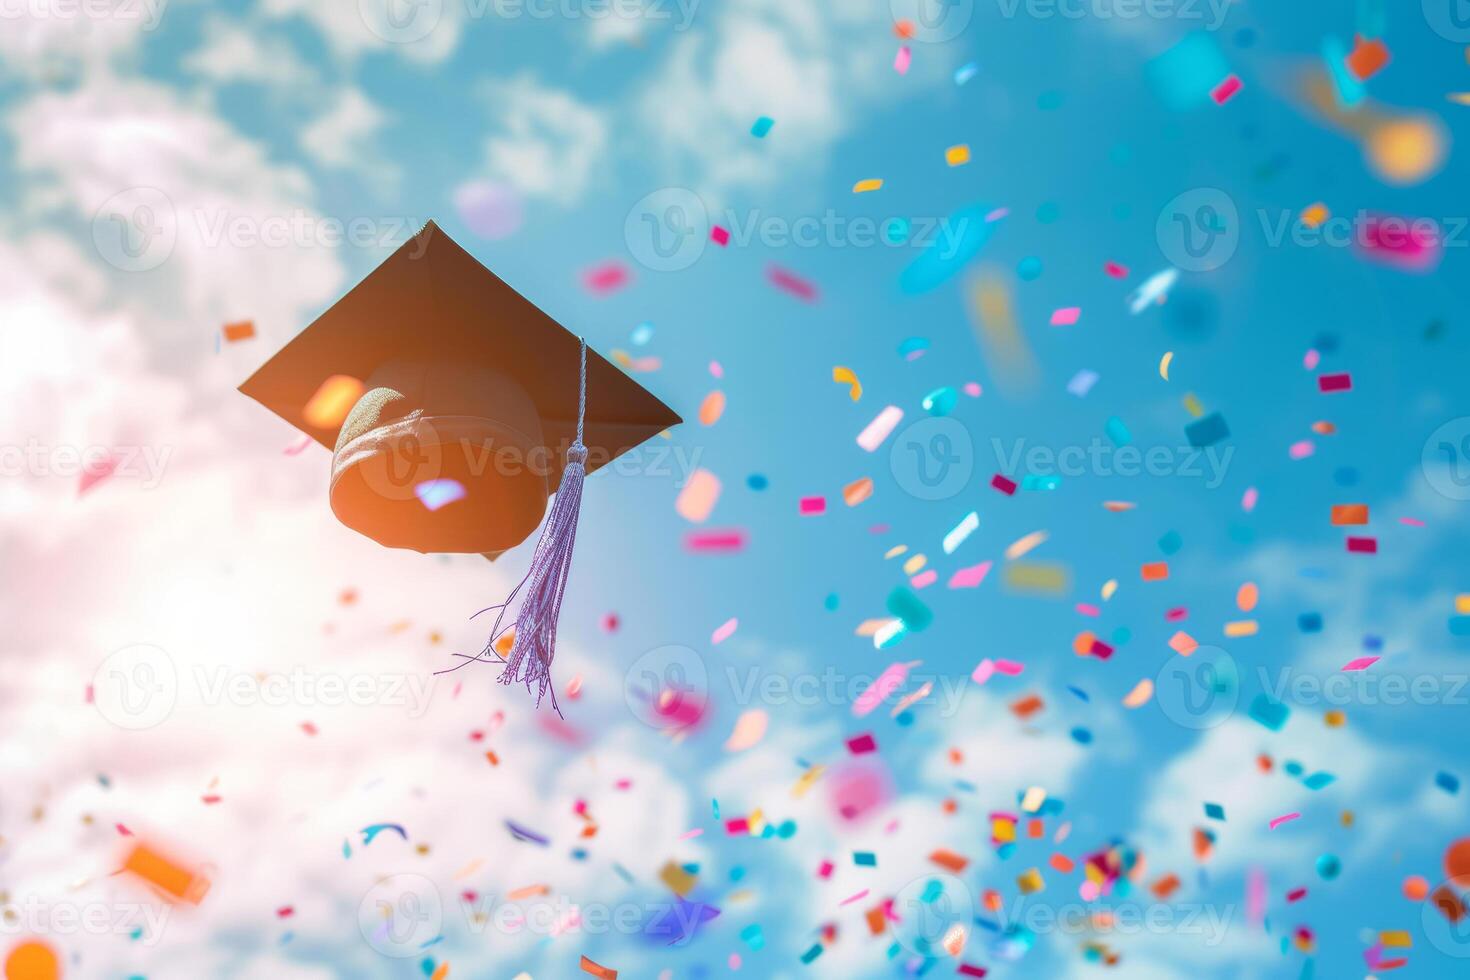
(328, 407)
(1335, 382)
(880, 428)
(969, 578)
(712, 408)
(1362, 545)
(1368, 58)
(699, 496)
(1140, 695)
(1164, 363)
(1115, 271)
(1082, 382)
(1025, 544)
(1361, 663)
(902, 59)
(1155, 571)
(750, 728)
(724, 631)
(862, 744)
(792, 284)
(762, 126)
(598, 970)
(1207, 431)
(1313, 215)
(1285, 818)
(857, 491)
(606, 278)
(965, 72)
(1349, 514)
(1154, 291)
(940, 260)
(957, 155)
(720, 235)
(1226, 90)
(724, 541)
(236, 332)
(956, 537)
(890, 680)
(167, 876)
(1065, 316)
(843, 375)
(812, 506)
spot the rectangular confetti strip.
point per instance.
(880, 428)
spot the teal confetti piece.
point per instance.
(761, 127)
(1118, 432)
(1269, 712)
(812, 953)
(1214, 811)
(915, 616)
(753, 937)
(941, 401)
(865, 859)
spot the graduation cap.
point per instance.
(452, 405)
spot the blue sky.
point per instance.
(206, 129)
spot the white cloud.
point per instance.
(547, 143)
(425, 31)
(50, 41)
(235, 51)
(344, 137)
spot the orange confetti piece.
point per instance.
(243, 330)
(168, 877)
(699, 496)
(1247, 596)
(864, 186)
(1062, 863)
(598, 970)
(1155, 571)
(1368, 58)
(1349, 514)
(530, 891)
(32, 960)
(949, 860)
(712, 408)
(1183, 644)
(333, 400)
(1242, 627)
(1027, 706)
(857, 491)
(1314, 214)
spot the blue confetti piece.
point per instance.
(1207, 431)
(753, 937)
(1214, 811)
(915, 616)
(757, 482)
(865, 859)
(1079, 693)
(1081, 736)
(435, 494)
(1117, 432)
(1269, 712)
(1309, 622)
(1329, 867)
(941, 401)
(761, 127)
(1319, 780)
(960, 239)
(1032, 481)
(1448, 782)
(965, 72)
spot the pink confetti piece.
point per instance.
(997, 214)
(1334, 382)
(699, 496)
(691, 834)
(725, 541)
(876, 693)
(1284, 818)
(825, 869)
(969, 578)
(812, 506)
(1296, 895)
(902, 59)
(1066, 316)
(1088, 609)
(910, 699)
(1255, 896)
(1363, 546)
(880, 428)
(295, 449)
(1226, 90)
(1311, 359)
(1301, 450)
(972, 388)
(1248, 499)
(606, 278)
(862, 744)
(716, 369)
(983, 671)
(724, 632)
(95, 473)
(858, 897)
(1361, 663)
(1411, 521)
(1009, 667)
(1115, 270)
(719, 235)
(924, 579)
(1004, 485)
(789, 282)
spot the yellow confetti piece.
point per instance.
(957, 155)
(1038, 578)
(1314, 214)
(845, 376)
(1025, 544)
(1462, 603)
(1118, 506)
(1033, 799)
(1030, 881)
(1164, 363)
(333, 400)
(1192, 405)
(712, 408)
(992, 312)
(1242, 627)
(1109, 587)
(857, 491)
(895, 551)
(1398, 938)
(863, 186)
(1335, 718)
(1002, 830)
(912, 566)
(868, 627)
(1140, 695)
(807, 781)
(680, 882)
(1463, 98)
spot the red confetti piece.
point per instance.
(1005, 486)
(719, 235)
(862, 744)
(1226, 90)
(1363, 546)
(1335, 382)
(791, 283)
